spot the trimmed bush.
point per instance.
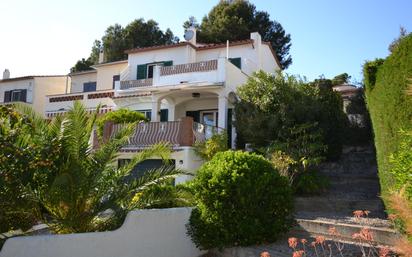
(386, 82)
(241, 200)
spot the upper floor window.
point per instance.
(115, 78)
(19, 95)
(145, 71)
(89, 86)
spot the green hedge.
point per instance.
(240, 200)
(390, 108)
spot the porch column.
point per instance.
(155, 109)
(222, 112)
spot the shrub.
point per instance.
(241, 200)
(207, 149)
(390, 108)
(270, 105)
(311, 182)
(119, 116)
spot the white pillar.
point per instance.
(222, 112)
(155, 109)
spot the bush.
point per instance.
(207, 149)
(311, 182)
(270, 105)
(241, 200)
(390, 108)
(119, 116)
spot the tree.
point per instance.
(117, 40)
(83, 189)
(340, 79)
(402, 34)
(235, 20)
(82, 65)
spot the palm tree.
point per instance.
(84, 190)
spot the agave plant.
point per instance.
(84, 190)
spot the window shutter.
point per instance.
(23, 96)
(237, 62)
(7, 96)
(141, 71)
(168, 63)
(164, 115)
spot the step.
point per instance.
(336, 205)
(309, 227)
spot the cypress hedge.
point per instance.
(386, 82)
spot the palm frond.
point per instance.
(38, 121)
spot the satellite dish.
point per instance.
(232, 98)
(189, 35)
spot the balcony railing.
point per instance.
(135, 83)
(102, 110)
(189, 67)
(180, 133)
(167, 75)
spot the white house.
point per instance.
(31, 90)
(187, 90)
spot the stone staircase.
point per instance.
(354, 185)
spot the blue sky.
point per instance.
(328, 36)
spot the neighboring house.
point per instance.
(351, 95)
(31, 90)
(187, 90)
(91, 87)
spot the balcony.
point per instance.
(205, 72)
(58, 104)
(180, 133)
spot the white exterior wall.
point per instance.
(156, 232)
(77, 81)
(178, 55)
(105, 75)
(18, 84)
(46, 86)
(269, 63)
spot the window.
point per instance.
(19, 95)
(147, 114)
(89, 86)
(145, 71)
(115, 78)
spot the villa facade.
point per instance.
(187, 91)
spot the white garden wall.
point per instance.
(154, 233)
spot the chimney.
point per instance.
(190, 35)
(101, 55)
(6, 74)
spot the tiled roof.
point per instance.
(200, 47)
(29, 77)
(197, 47)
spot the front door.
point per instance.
(209, 119)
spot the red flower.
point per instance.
(384, 252)
(264, 254)
(298, 253)
(293, 242)
(320, 239)
(358, 213)
(303, 241)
